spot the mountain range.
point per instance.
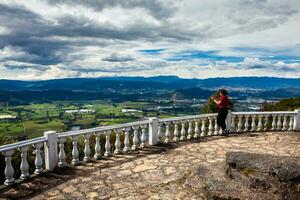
(119, 89)
(158, 82)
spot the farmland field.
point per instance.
(34, 119)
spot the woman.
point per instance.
(222, 105)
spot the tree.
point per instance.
(211, 107)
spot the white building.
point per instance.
(7, 117)
(130, 110)
(81, 111)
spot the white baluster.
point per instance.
(266, 122)
(279, 124)
(159, 133)
(190, 130)
(253, 123)
(97, 146)
(167, 140)
(38, 158)
(246, 123)
(143, 138)
(126, 141)
(210, 126)
(176, 133)
(62, 154)
(24, 164)
(197, 131)
(260, 125)
(285, 124)
(9, 170)
(75, 153)
(203, 127)
(216, 132)
(291, 124)
(240, 123)
(182, 132)
(118, 141)
(87, 149)
(273, 122)
(107, 143)
(135, 139)
(232, 125)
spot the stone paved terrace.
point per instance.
(157, 172)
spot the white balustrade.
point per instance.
(266, 124)
(38, 158)
(284, 124)
(291, 124)
(216, 132)
(126, 141)
(232, 125)
(253, 123)
(279, 124)
(9, 170)
(203, 127)
(246, 123)
(190, 130)
(240, 123)
(135, 139)
(273, 122)
(182, 132)
(97, 146)
(143, 137)
(197, 131)
(75, 153)
(24, 164)
(118, 141)
(260, 124)
(176, 133)
(61, 154)
(210, 126)
(107, 143)
(167, 139)
(87, 149)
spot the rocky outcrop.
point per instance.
(250, 176)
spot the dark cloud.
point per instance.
(118, 58)
(157, 8)
(22, 65)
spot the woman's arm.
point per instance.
(216, 101)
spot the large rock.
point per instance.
(249, 176)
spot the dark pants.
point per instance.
(222, 114)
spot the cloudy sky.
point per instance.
(47, 39)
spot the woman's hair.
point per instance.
(224, 92)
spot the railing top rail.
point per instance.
(187, 117)
(102, 128)
(264, 113)
(20, 144)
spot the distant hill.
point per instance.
(199, 93)
(131, 84)
(284, 104)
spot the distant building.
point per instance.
(8, 118)
(164, 107)
(81, 111)
(130, 110)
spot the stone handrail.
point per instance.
(139, 134)
(23, 146)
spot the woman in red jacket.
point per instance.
(222, 105)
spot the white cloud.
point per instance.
(55, 39)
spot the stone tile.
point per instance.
(143, 167)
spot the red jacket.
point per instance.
(223, 102)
